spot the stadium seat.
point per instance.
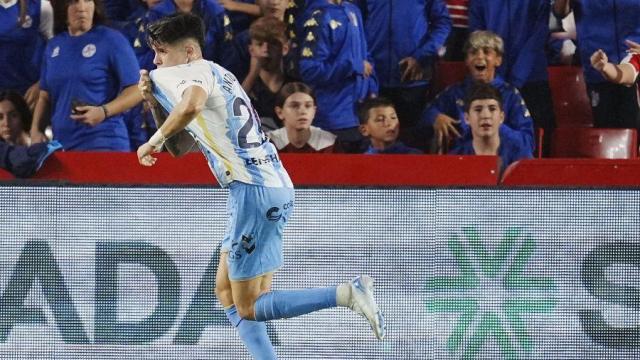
(571, 103)
(448, 73)
(581, 142)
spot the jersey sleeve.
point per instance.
(171, 82)
(634, 61)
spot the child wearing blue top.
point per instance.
(483, 114)
(379, 122)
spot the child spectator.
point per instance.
(379, 123)
(484, 51)
(296, 107)
(484, 115)
(15, 119)
(523, 26)
(239, 59)
(269, 45)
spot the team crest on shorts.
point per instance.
(89, 50)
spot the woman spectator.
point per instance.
(296, 107)
(25, 25)
(89, 77)
(15, 119)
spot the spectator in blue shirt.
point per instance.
(380, 124)
(335, 62)
(523, 25)
(484, 53)
(218, 30)
(25, 26)
(404, 38)
(483, 113)
(88, 79)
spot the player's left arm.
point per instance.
(191, 104)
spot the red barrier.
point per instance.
(573, 172)
(305, 169)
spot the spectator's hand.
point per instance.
(37, 136)
(144, 155)
(444, 128)
(145, 87)
(32, 94)
(599, 59)
(368, 69)
(634, 47)
(411, 69)
(89, 115)
(229, 5)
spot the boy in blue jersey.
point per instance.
(483, 114)
(379, 122)
(484, 51)
(192, 96)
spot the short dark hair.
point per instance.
(176, 27)
(371, 103)
(481, 91)
(21, 107)
(60, 14)
(291, 88)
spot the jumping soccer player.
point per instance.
(189, 95)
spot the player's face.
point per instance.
(484, 118)
(169, 55)
(80, 16)
(10, 122)
(383, 126)
(298, 111)
(482, 64)
(273, 8)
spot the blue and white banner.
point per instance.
(128, 273)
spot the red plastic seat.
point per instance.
(571, 103)
(448, 73)
(581, 142)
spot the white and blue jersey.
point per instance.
(228, 129)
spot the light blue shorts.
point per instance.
(253, 237)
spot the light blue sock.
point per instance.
(253, 334)
(291, 303)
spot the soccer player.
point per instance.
(188, 94)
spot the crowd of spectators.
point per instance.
(352, 76)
